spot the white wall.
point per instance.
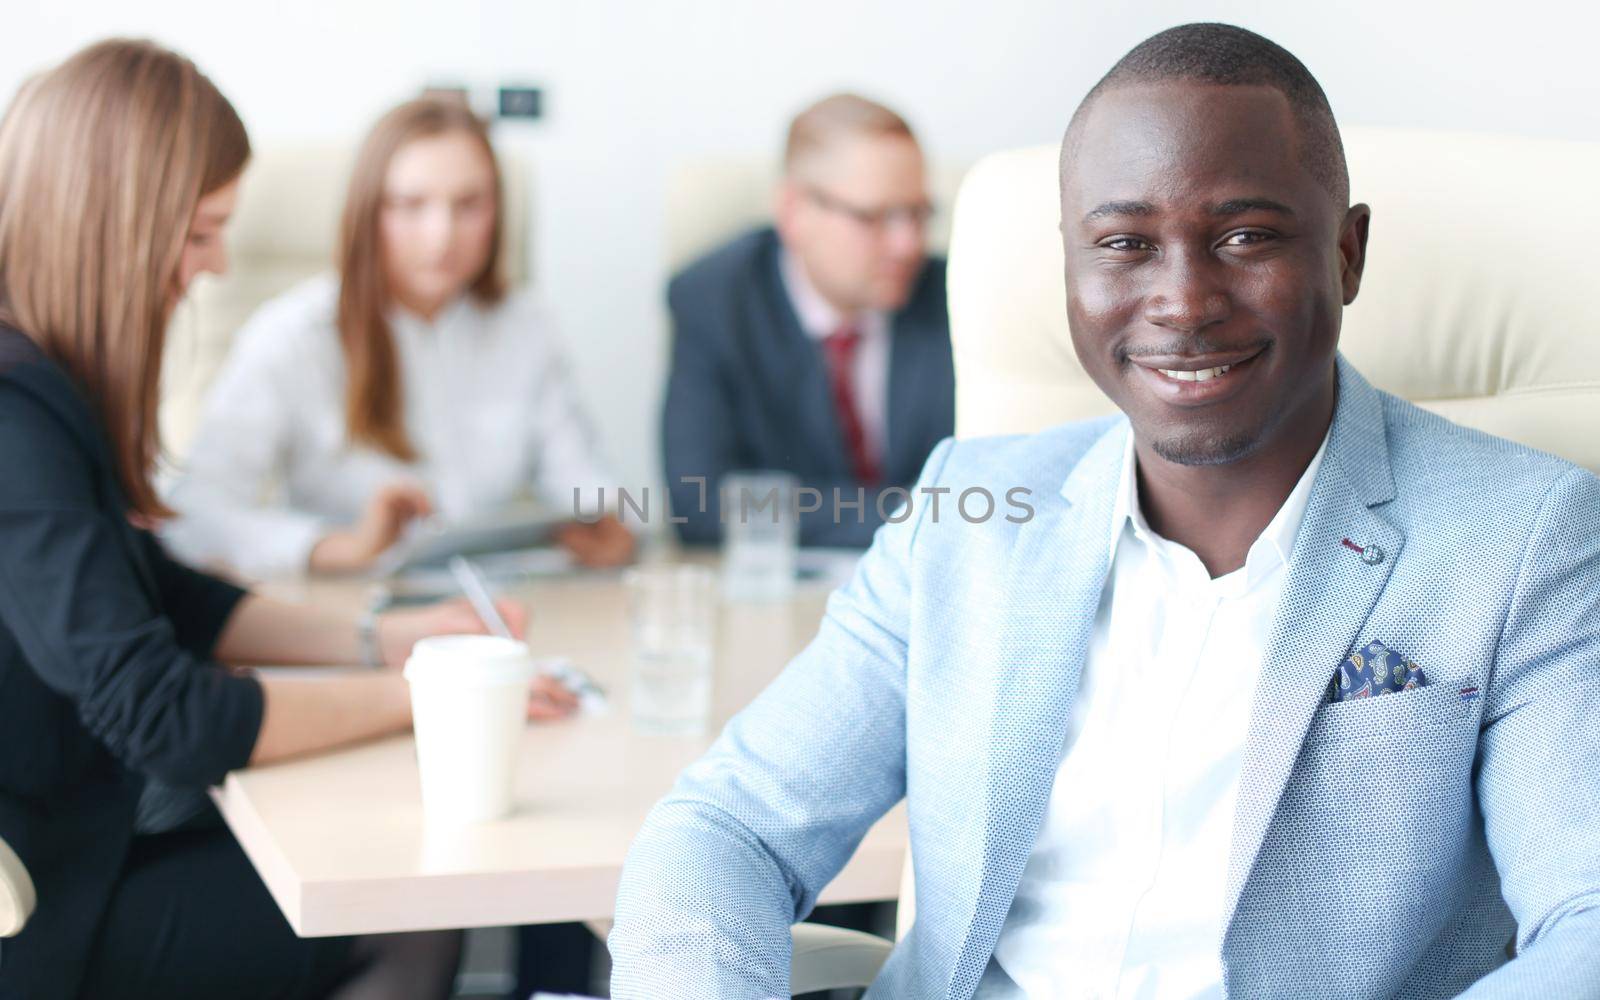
(633, 88)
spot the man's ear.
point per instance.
(786, 198)
(1353, 249)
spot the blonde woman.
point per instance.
(411, 382)
(118, 172)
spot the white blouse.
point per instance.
(488, 404)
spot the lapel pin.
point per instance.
(1370, 554)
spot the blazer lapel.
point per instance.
(1329, 593)
(1053, 580)
(792, 372)
(920, 397)
(794, 369)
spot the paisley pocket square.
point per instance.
(1375, 670)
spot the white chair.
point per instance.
(835, 958)
(17, 898)
(283, 232)
(1471, 306)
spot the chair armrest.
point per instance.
(17, 898)
(833, 958)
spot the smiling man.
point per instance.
(1224, 717)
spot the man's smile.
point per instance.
(1200, 379)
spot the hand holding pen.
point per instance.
(554, 695)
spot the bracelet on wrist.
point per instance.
(367, 639)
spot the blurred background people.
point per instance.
(122, 694)
(412, 382)
(821, 346)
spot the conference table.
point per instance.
(339, 838)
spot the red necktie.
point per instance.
(840, 349)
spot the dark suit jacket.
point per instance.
(104, 672)
(749, 390)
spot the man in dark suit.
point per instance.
(821, 346)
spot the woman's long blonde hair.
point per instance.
(102, 162)
(374, 404)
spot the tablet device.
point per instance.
(431, 542)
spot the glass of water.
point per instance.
(760, 532)
(673, 616)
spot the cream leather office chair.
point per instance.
(836, 958)
(1476, 303)
(17, 898)
(282, 233)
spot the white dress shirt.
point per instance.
(488, 404)
(870, 378)
(1124, 892)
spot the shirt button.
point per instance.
(1372, 555)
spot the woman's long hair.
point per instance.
(102, 162)
(374, 404)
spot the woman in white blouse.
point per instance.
(411, 383)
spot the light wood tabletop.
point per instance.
(340, 841)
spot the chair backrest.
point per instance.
(17, 897)
(1471, 304)
(282, 233)
(709, 201)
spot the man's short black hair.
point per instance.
(1225, 54)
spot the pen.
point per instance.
(472, 585)
(471, 581)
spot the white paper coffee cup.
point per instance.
(469, 696)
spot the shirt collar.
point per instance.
(402, 318)
(818, 317)
(1270, 549)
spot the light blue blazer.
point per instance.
(1389, 847)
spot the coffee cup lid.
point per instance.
(469, 660)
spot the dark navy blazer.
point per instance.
(749, 390)
(105, 673)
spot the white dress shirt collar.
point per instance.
(818, 317)
(1271, 548)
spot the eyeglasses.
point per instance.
(876, 219)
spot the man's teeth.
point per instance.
(1203, 375)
